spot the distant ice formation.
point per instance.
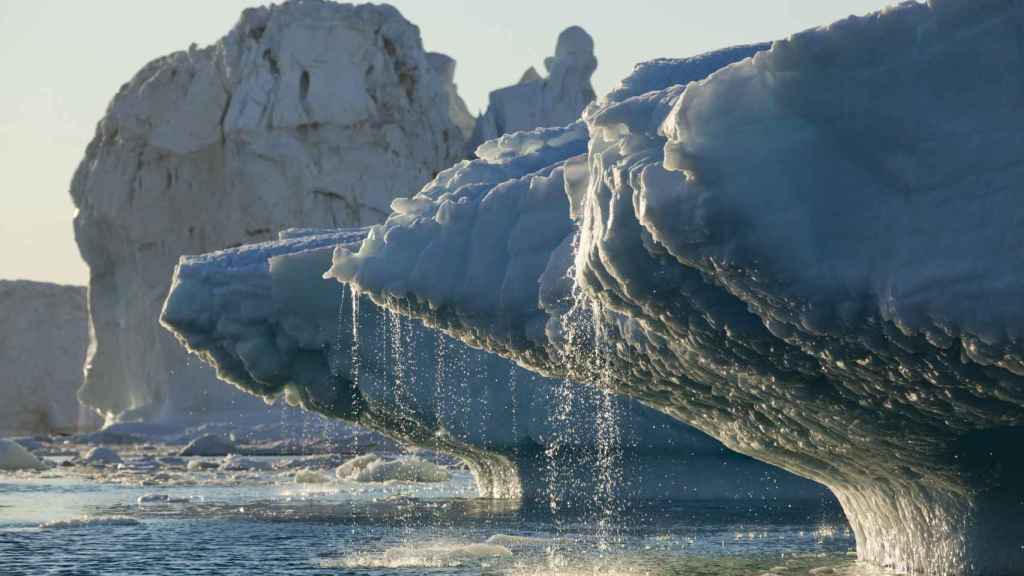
(305, 114)
(264, 316)
(14, 456)
(43, 339)
(812, 255)
(535, 101)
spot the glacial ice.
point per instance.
(810, 255)
(43, 339)
(14, 456)
(291, 119)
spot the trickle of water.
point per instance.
(356, 361)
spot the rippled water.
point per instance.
(265, 523)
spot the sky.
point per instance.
(62, 61)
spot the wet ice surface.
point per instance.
(155, 513)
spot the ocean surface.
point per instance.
(150, 517)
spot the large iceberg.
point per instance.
(307, 113)
(811, 255)
(43, 338)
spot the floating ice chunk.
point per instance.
(373, 468)
(423, 555)
(199, 465)
(101, 456)
(234, 462)
(89, 522)
(511, 540)
(161, 499)
(307, 476)
(14, 456)
(208, 445)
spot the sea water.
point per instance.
(264, 516)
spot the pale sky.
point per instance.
(63, 60)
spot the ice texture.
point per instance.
(535, 101)
(272, 325)
(812, 255)
(306, 113)
(43, 339)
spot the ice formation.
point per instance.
(43, 339)
(266, 318)
(811, 255)
(307, 113)
(536, 102)
(14, 456)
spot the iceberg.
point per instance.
(811, 255)
(286, 121)
(43, 340)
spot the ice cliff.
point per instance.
(812, 255)
(43, 338)
(307, 113)
(536, 102)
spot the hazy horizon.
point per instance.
(65, 61)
